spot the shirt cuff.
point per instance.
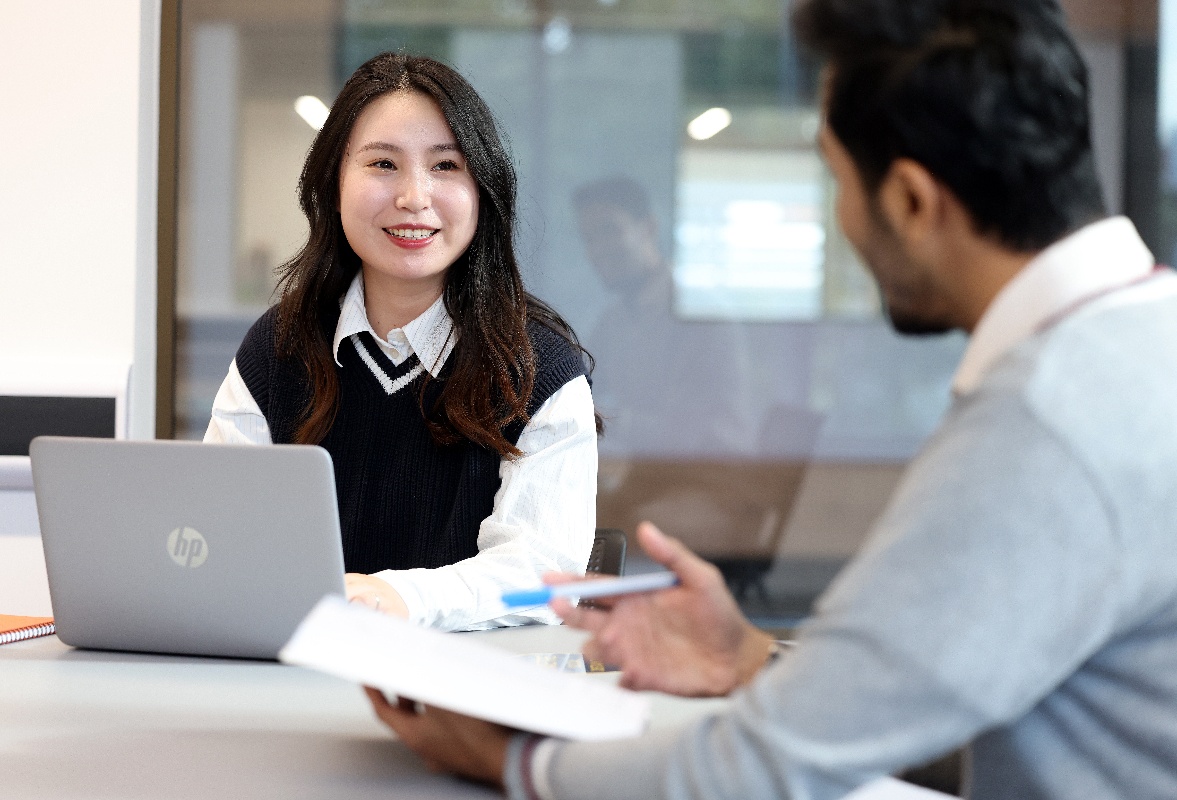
(408, 592)
(541, 760)
(525, 773)
(437, 598)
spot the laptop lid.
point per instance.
(184, 547)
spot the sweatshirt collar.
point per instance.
(1095, 259)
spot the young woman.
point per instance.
(454, 404)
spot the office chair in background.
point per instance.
(608, 554)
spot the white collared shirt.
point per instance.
(431, 335)
(1088, 264)
(544, 511)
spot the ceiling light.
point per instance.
(557, 35)
(312, 109)
(709, 123)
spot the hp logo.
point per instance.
(187, 547)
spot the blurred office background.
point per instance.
(673, 208)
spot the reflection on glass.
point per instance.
(751, 237)
(756, 404)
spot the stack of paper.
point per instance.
(356, 643)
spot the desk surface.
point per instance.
(119, 726)
(88, 724)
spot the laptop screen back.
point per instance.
(181, 547)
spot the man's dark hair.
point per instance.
(989, 95)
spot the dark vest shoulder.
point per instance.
(279, 386)
(557, 360)
(258, 349)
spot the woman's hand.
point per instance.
(447, 742)
(372, 591)
(688, 640)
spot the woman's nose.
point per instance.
(413, 191)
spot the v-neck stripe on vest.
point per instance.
(391, 386)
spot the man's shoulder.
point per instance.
(1106, 354)
(1099, 383)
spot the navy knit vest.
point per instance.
(404, 500)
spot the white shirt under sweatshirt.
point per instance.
(544, 511)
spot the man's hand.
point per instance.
(374, 592)
(689, 640)
(447, 742)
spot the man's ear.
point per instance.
(911, 201)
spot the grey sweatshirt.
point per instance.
(1019, 594)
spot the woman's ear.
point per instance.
(912, 202)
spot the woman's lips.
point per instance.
(411, 238)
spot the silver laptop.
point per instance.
(183, 547)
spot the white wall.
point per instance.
(78, 152)
(79, 120)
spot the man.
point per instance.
(1019, 595)
(646, 379)
(646, 383)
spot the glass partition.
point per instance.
(673, 208)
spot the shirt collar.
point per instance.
(431, 335)
(1095, 259)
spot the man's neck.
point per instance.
(984, 269)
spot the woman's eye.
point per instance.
(383, 163)
(446, 165)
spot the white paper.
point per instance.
(454, 672)
(891, 789)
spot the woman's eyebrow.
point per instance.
(447, 147)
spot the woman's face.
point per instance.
(408, 204)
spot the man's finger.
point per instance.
(556, 578)
(394, 716)
(586, 619)
(591, 650)
(376, 697)
(563, 608)
(674, 555)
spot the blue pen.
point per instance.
(603, 587)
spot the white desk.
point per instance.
(86, 724)
(24, 585)
(116, 726)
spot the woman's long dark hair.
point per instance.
(493, 365)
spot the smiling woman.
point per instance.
(454, 404)
(408, 203)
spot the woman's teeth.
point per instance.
(411, 233)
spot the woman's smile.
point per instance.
(408, 204)
(412, 237)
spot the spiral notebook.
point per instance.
(16, 628)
